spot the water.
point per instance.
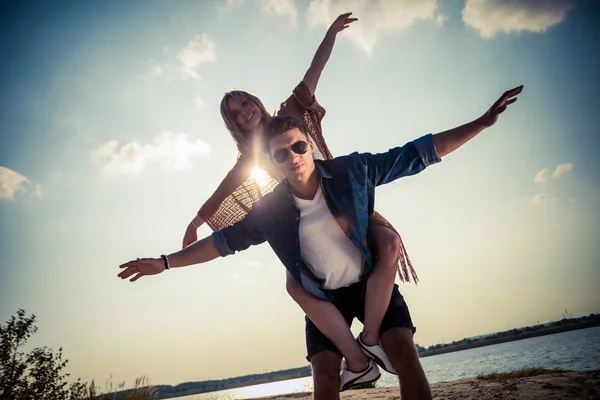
(575, 350)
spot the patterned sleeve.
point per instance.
(234, 178)
(305, 106)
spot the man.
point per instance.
(346, 186)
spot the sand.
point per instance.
(571, 385)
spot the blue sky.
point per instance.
(111, 139)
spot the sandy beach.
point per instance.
(584, 385)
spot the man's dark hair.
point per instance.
(281, 124)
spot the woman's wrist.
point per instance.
(197, 221)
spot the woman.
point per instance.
(244, 116)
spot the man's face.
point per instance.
(295, 167)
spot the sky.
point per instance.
(111, 139)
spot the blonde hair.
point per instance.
(242, 140)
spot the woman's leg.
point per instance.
(328, 319)
(381, 282)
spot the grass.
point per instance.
(522, 373)
(142, 390)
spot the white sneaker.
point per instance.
(351, 378)
(376, 353)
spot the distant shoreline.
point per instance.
(520, 335)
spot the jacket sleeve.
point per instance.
(241, 235)
(398, 162)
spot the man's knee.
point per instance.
(326, 366)
(399, 346)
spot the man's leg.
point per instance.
(400, 348)
(326, 365)
(330, 321)
(326, 362)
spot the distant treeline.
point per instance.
(564, 325)
(190, 388)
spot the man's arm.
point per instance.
(311, 78)
(236, 237)
(415, 156)
(200, 252)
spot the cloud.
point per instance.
(542, 176)
(544, 200)
(105, 151)
(199, 50)
(185, 63)
(280, 8)
(561, 169)
(13, 183)
(168, 150)
(490, 17)
(441, 19)
(540, 199)
(156, 70)
(376, 18)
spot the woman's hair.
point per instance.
(241, 139)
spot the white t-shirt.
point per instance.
(325, 248)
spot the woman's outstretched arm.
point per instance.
(311, 78)
(238, 174)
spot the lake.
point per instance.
(574, 350)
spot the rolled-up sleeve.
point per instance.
(239, 236)
(398, 162)
(426, 149)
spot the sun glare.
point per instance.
(260, 176)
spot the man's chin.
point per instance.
(295, 176)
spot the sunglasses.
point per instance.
(281, 155)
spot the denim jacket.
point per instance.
(348, 184)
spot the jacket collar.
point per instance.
(320, 167)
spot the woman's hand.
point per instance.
(191, 235)
(341, 23)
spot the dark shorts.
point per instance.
(352, 305)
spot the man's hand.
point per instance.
(448, 141)
(341, 23)
(491, 116)
(142, 267)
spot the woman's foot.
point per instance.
(375, 352)
(350, 378)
